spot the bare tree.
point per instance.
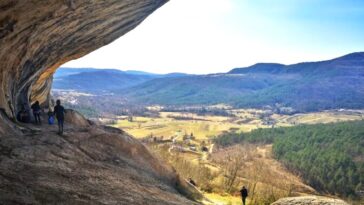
(233, 163)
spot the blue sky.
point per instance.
(208, 36)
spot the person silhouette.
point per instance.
(36, 112)
(23, 115)
(59, 112)
(244, 194)
(192, 182)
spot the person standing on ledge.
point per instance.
(36, 112)
(244, 194)
(59, 111)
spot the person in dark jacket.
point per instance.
(192, 182)
(59, 112)
(23, 115)
(36, 112)
(244, 194)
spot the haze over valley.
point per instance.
(303, 87)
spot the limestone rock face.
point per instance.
(75, 118)
(309, 200)
(36, 37)
(87, 165)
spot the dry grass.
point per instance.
(172, 124)
(265, 177)
(321, 117)
(227, 199)
(168, 125)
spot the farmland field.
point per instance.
(209, 168)
(168, 125)
(176, 124)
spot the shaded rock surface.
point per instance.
(309, 200)
(87, 165)
(36, 37)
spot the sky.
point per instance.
(211, 36)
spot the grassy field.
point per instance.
(177, 124)
(226, 199)
(321, 117)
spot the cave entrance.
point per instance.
(36, 37)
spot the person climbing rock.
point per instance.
(59, 112)
(36, 112)
(244, 194)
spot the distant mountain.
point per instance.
(206, 89)
(260, 68)
(337, 83)
(137, 72)
(96, 80)
(61, 72)
(176, 75)
(105, 80)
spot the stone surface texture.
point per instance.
(89, 164)
(309, 200)
(37, 36)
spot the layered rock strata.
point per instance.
(36, 37)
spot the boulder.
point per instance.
(309, 200)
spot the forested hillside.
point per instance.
(329, 157)
(304, 87)
(92, 80)
(337, 83)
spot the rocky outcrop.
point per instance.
(7, 126)
(90, 164)
(87, 165)
(36, 37)
(309, 200)
(76, 119)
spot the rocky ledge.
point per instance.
(309, 200)
(89, 164)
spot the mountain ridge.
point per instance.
(103, 80)
(282, 67)
(307, 86)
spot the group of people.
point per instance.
(58, 112)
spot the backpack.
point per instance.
(51, 120)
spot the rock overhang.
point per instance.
(36, 37)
